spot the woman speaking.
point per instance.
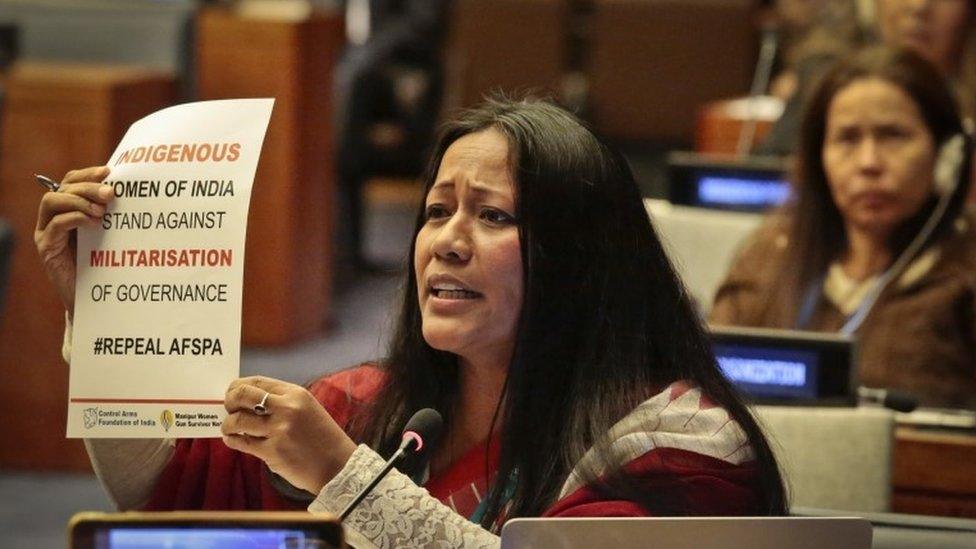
(540, 316)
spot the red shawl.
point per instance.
(206, 474)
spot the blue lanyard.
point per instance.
(479, 512)
(811, 298)
(809, 304)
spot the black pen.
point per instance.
(47, 183)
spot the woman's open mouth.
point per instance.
(454, 294)
(447, 287)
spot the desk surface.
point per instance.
(934, 472)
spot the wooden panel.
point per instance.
(56, 118)
(653, 63)
(507, 45)
(933, 503)
(288, 258)
(934, 473)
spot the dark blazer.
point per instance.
(406, 31)
(920, 336)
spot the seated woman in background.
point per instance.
(877, 242)
(540, 316)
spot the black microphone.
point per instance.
(420, 433)
(894, 400)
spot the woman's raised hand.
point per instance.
(286, 427)
(81, 200)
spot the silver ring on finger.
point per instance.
(261, 408)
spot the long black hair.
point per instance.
(605, 323)
(816, 231)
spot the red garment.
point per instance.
(206, 474)
(711, 487)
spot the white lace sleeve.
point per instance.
(397, 513)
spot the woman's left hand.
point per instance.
(294, 435)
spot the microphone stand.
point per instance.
(760, 81)
(423, 429)
(401, 452)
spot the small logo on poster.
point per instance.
(167, 418)
(91, 417)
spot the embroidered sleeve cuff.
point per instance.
(362, 465)
(397, 513)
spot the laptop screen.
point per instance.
(785, 366)
(212, 538)
(687, 533)
(197, 529)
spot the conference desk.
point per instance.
(934, 472)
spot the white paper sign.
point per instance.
(157, 321)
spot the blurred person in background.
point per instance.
(388, 86)
(943, 31)
(878, 242)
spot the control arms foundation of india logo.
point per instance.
(91, 417)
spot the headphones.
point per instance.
(949, 164)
